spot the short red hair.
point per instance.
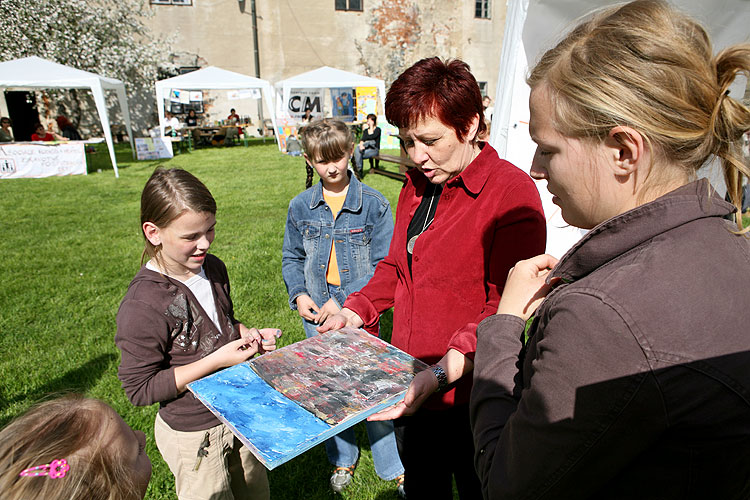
(432, 87)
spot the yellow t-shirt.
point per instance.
(335, 202)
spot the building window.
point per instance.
(172, 2)
(482, 9)
(483, 88)
(349, 5)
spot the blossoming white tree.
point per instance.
(107, 37)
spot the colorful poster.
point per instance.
(367, 102)
(343, 104)
(153, 148)
(284, 130)
(283, 403)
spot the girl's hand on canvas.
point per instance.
(422, 386)
(307, 308)
(329, 309)
(345, 317)
(525, 287)
(268, 340)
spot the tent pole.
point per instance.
(257, 57)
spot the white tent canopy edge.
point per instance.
(213, 78)
(37, 73)
(531, 27)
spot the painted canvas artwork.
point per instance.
(285, 402)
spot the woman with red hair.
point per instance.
(464, 218)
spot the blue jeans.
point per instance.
(342, 449)
(360, 156)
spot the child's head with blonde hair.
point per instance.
(325, 141)
(72, 448)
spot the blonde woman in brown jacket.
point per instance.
(634, 379)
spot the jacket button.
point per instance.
(481, 451)
(322, 266)
(328, 236)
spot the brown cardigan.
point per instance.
(161, 325)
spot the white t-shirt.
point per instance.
(174, 123)
(201, 288)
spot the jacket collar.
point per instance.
(626, 231)
(473, 178)
(353, 201)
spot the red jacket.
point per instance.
(488, 218)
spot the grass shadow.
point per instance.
(77, 380)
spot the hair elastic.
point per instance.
(56, 469)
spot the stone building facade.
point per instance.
(376, 38)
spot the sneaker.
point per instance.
(400, 490)
(341, 478)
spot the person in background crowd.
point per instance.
(369, 144)
(67, 129)
(5, 134)
(42, 135)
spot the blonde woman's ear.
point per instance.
(152, 233)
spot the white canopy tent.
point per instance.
(36, 73)
(213, 78)
(327, 77)
(533, 26)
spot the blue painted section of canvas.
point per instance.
(272, 426)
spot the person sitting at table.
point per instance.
(5, 133)
(42, 135)
(369, 144)
(233, 117)
(307, 117)
(192, 119)
(173, 124)
(67, 129)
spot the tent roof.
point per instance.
(35, 72)
(212, 77)
(325, 76)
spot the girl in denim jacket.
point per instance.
(336, 233)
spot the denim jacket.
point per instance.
(362, 231)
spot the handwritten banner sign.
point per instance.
(42, 160)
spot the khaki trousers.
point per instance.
(228, 472)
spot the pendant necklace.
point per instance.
(413, 239)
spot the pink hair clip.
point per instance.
(56, 469)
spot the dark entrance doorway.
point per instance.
(23, 113)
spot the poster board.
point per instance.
(367, 102)
(343, 104)
(36, 159)
(153, 148)
(285, 402)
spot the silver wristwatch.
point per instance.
(442, 378)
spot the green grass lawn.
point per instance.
(72, 245)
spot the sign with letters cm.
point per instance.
(42, 159)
